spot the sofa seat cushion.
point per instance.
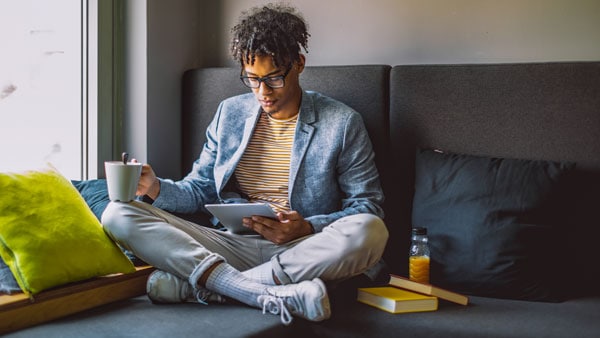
(48, 234)
(494, 223)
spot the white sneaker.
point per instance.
(163, 287)
(307, 299)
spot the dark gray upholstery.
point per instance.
(531, 111)
(483, 318)
(203, 90)
(545, 111)
(364, 88)
(369, 94)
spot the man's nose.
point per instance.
(263, 88)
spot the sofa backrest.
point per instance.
(203, 90)
(548, 111)
(364, 88)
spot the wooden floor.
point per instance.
(18, 311)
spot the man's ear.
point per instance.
(300, 63)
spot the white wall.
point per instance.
(441, 31)
(183, 34)
(135, 79)
(163, 39)
(174, 34)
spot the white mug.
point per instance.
(122, 179)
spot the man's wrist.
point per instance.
(154, 190)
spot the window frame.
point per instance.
(103, 87)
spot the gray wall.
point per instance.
(443, 31)
(163, 39)
(183, 34)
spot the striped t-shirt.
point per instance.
(263, 171)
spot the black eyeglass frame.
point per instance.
(266, 79)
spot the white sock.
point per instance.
(262, 274)
(228, 281)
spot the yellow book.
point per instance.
(428, 289)
(395, 300)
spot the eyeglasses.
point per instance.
(271, 81)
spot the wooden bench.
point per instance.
(18, 311)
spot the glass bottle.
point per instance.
(419, 256)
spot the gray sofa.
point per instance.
(543, 112)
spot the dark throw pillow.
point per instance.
(95, 194)
(8, 283)
(494, 224)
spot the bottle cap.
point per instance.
(419, 231)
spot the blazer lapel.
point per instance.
(232, 162)
(302, 139)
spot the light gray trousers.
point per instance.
(343, 249)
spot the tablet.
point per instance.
(230, 215)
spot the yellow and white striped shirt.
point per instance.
(263, 171)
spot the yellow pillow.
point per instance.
(48, 234)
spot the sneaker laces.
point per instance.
(203, 296)
(276, 306)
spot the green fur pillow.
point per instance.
(48, 234)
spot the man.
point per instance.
(305, 154)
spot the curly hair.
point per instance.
(276, 30)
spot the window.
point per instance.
(41, 85)
(50, 86)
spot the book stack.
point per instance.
(403, 295)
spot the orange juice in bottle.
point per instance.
(419, 256)
(419, 269)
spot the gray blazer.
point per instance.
(332, 168)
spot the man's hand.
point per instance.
(148, 184)
(287, 227)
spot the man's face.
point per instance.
(282, 102)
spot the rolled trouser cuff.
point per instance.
(278, 271)
(204, 265)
